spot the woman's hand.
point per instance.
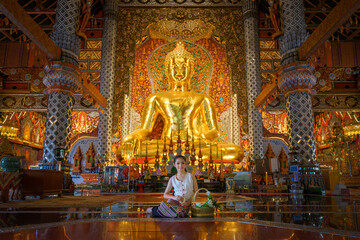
(187, 203)
(178, 198)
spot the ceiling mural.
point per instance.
(217, 31)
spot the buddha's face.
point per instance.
(179, 69)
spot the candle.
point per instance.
(266, 178)
(140, 149)
(217, 151)
(221, 162)
(146, 151)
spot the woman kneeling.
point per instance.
(184, 185)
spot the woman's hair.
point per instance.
(179, 156)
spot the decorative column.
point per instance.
(294, 29)
(107, 76)
(126, 116)
(253, 82)
(235, 121)
(61, 79)
(296, 80)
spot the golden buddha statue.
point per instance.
(178, 111)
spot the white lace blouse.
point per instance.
(183, 188)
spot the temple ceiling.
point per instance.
(43, 13)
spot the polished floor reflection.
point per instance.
(168, 230)
(240, 217)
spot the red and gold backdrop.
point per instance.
(211, 73)
(217, 44)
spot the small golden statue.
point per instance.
(189, 113)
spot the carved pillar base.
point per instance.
(296, 80)
(61, 81)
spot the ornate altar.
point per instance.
(77, 159)
(90, 158)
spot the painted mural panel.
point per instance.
(83, 124)
(28, 138)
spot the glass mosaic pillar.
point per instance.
(126, 116)
(107, 76)
(296, 80)
(294, 29)
(235, 124)
(253, 82)
(61, 79)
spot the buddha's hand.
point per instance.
(210, 135)
(131, 143)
